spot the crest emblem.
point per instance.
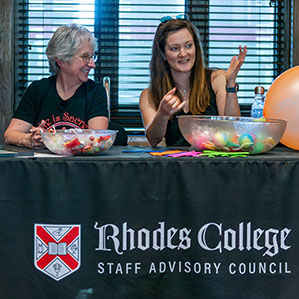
(57, 249)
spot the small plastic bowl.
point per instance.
(79, 141)
(231, 134)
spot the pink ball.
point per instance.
(201, 139)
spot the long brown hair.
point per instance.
(161, 79)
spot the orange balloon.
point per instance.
(282, 102)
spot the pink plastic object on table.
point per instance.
(185, 154)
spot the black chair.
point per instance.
(122, 136)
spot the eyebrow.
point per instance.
(188, 41)
(87, 53)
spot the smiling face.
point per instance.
(180, 51)
(77, 68)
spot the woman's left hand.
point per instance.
(35, 136)
(235, 65)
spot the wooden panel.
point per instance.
(6, 64)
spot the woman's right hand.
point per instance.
(155, 120)
(170, 103)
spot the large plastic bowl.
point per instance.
(78, 141)
(231, 134)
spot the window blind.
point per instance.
(36, 21)
(125, 31)
(261, 25)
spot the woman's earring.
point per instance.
(163, 56)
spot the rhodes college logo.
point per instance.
(57, 249)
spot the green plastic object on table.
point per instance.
(210, 153)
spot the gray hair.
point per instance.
(65, 42)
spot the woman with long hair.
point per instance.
(181, 84)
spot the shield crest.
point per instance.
(57, 249)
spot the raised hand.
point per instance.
(235, 65)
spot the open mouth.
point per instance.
(183, 61)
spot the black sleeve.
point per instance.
(98, 102)
(28, 107)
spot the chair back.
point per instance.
(122, 136)
(106, 83)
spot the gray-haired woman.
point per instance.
(67, 99)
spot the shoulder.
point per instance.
(144, 93)
(218, 75)
(93, 86)
(218, 79)
(145, 101)
(40, 84)
(45, 81)
(144, 97)
(92, 83)
(38, 90)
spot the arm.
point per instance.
(227, 103)
(22, 133)
(155, 121)
(98, 123)
(232, 105)
(98, 111)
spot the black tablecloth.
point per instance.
(150, 227)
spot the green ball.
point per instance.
(258, 148)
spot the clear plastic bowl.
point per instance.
(231, 134)
(78, 141)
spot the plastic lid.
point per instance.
(259, 90)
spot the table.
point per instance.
(132, 225)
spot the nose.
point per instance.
(182, 52)
(91, 63)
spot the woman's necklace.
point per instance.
(183, 91)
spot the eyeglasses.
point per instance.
(178, 17)
(86, 57)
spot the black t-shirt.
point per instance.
(41, 101)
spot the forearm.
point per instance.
(231, 104)
(232, 107)
(156, 130)
(22, 139)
